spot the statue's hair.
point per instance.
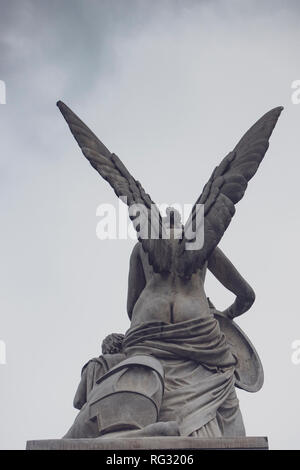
(112, 344)
(173, 217)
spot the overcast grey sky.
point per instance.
(170, 86)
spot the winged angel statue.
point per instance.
(176, 368)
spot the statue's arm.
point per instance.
(91, 371)
(136, 279)
(228, 275)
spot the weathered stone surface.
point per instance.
(200, 354)
(152, 443)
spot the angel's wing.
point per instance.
(147, 222)
(224, 189)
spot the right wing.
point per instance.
(224, 189)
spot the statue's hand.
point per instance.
(240, 305)
(228, 313)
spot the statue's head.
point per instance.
(112, 344)
(173, 218)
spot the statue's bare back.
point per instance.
(169, 300)
(168, 297)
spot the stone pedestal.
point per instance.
(152, 443)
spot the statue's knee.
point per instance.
(128, 396)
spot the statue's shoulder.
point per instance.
(137, 251)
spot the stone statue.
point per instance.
(175, 370)
(95, 368)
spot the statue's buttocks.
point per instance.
(168, 308)
(169, 299)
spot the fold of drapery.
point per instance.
(199, 371)
(199, 340)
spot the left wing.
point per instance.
(109, 166)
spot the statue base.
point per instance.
(152, 443)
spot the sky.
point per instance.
(170, 86)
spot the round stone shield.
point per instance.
(249, 370)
